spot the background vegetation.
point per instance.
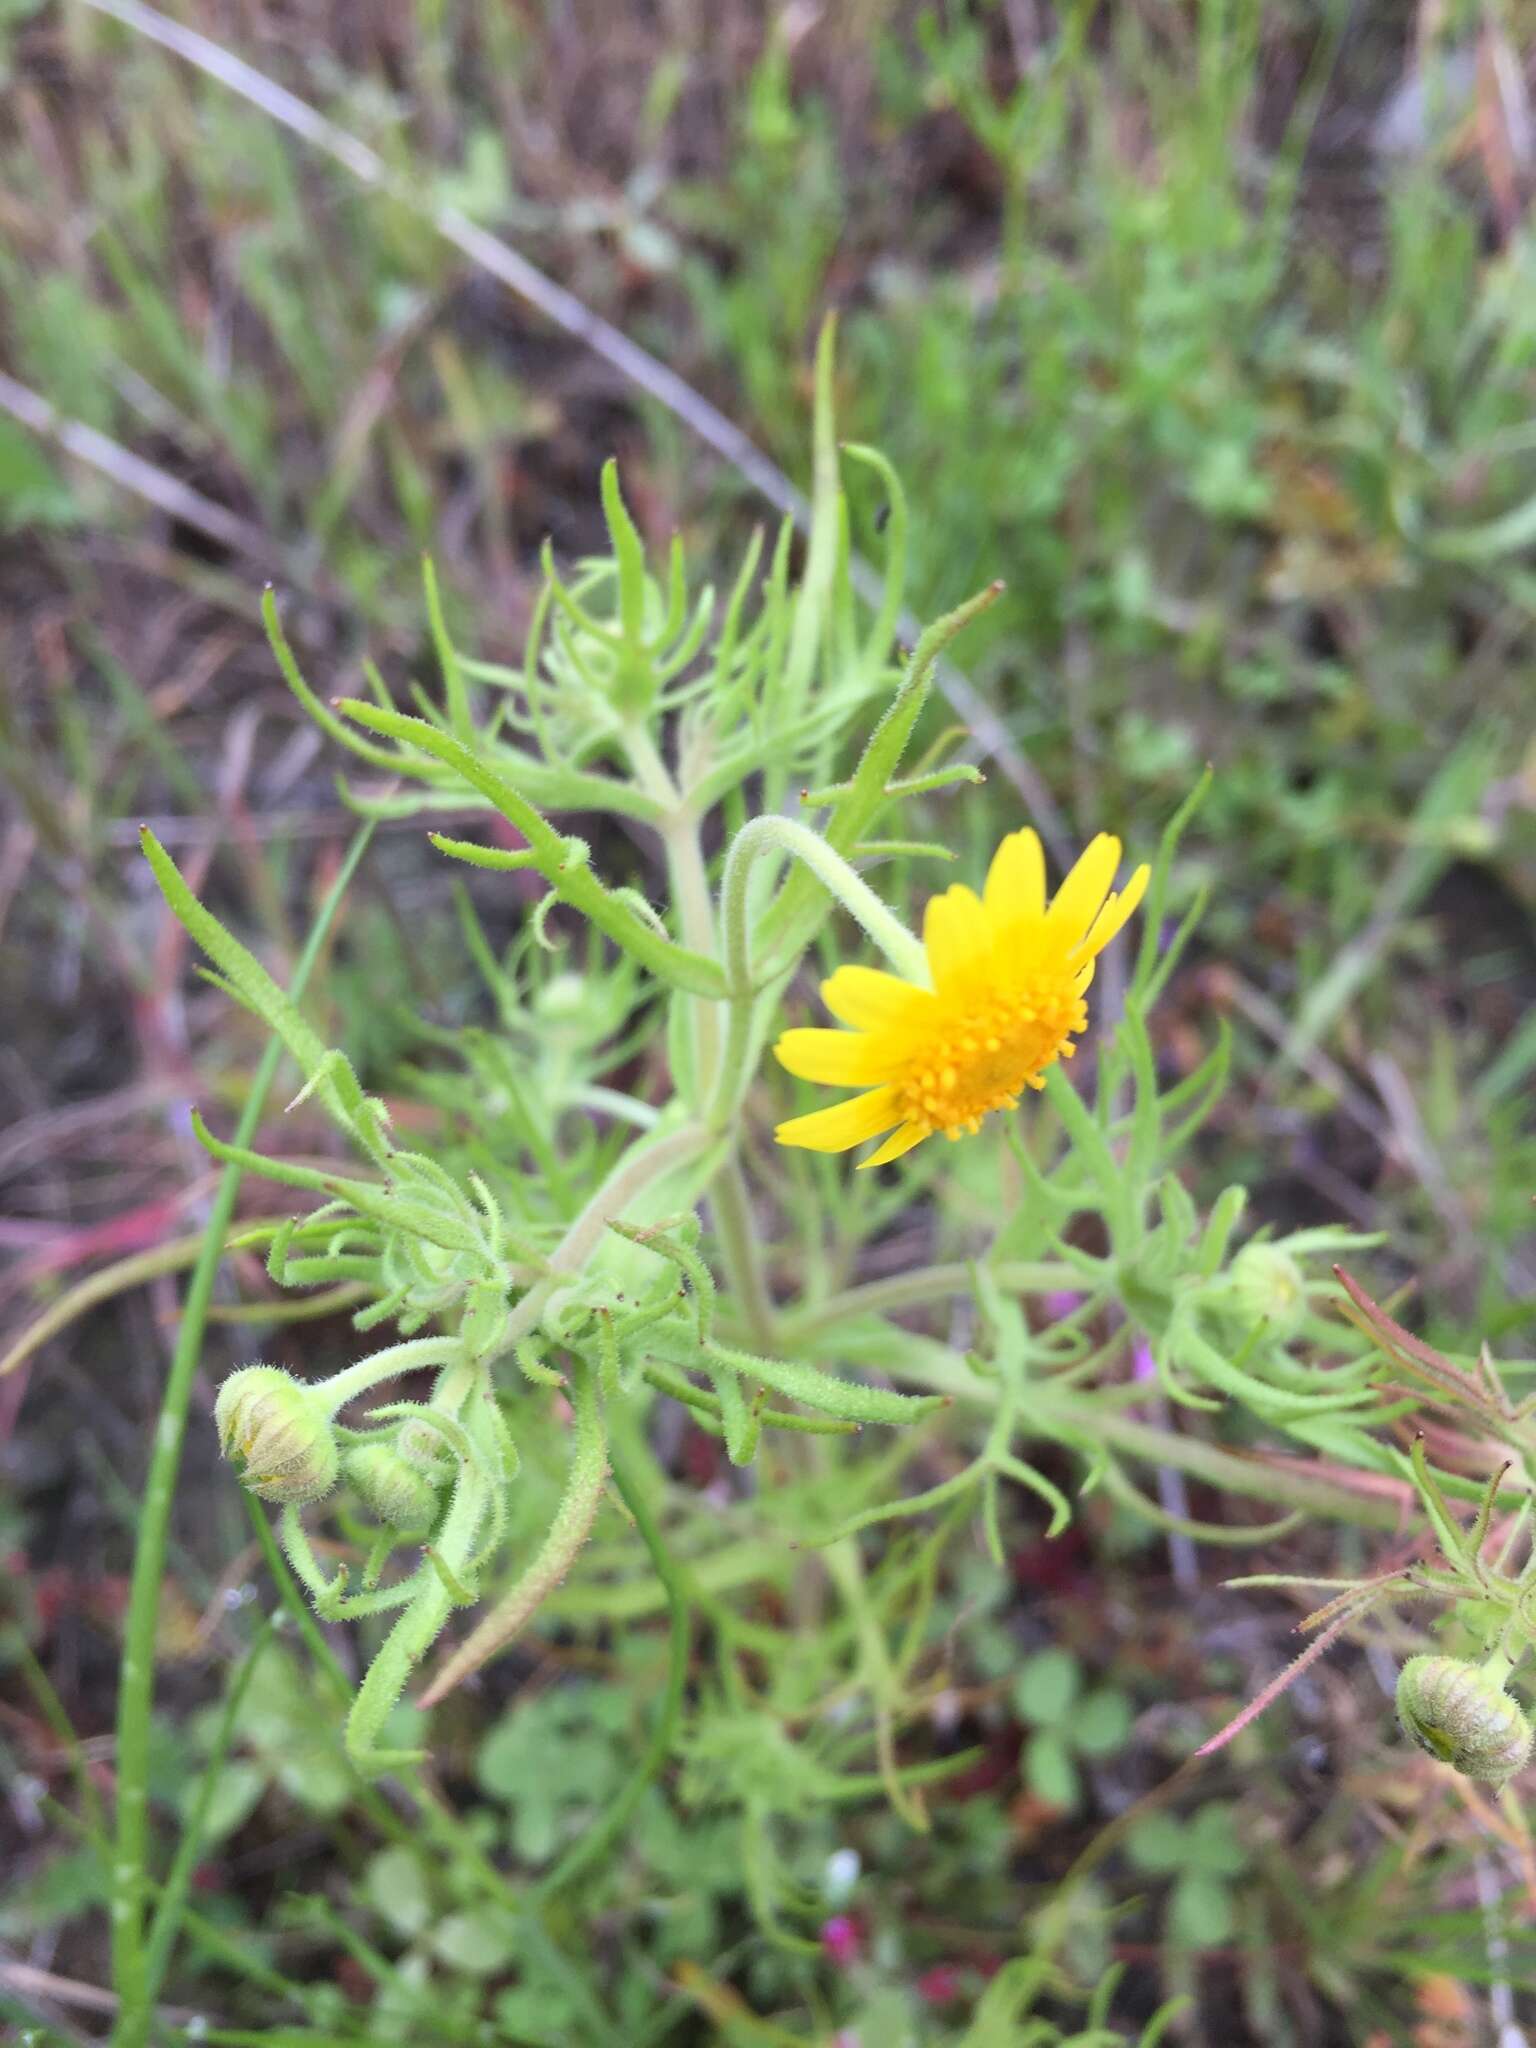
(1209, 326)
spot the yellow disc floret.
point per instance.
(1008, 974)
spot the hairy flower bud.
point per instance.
(279, 1434)
(390, 1486)
(1459, 1712)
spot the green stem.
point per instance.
(459, 1846)
(846, 1568)
(738, 1253)
(136, 1683)
(569, 878)
(17, 1649)
(746, 1016)
(794, 919)
(927, 1283)
(388, 1364)
(785, 836)
(1228, 1471)
(600, 1837)
(416, 1631)
(648, 1160)
(745, 1561)
(1066, 1417)
(168, 1913)
(690, 892)
(446, 1578)
(690, 889)
(237, 1954)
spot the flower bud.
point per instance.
(1267, 1286)
(1459, 1712)
(390, 1486)
(279, 1434)
(561, 1000)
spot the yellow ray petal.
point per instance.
(844, 1124)
(870, 999)
(845, 1059)
(954, 933)
(1117, 910)
(1016, 879)
(1077, 901)
(902, 1139)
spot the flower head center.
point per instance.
(976, 1052)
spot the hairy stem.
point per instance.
(417, 1629)
(600, 1837)
(799, 842)
(785, 836)
(567, 1533)
(431, 1815)
(388, 1365)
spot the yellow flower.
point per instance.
(1008, 976)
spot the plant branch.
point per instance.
(567, 1533)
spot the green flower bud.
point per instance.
(390, 1487)
(1266, 1286)
(561, 1000)
(279, 1434)
(1459, 1712)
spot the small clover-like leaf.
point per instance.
(236, 1795)
(480, 1941)
(1046, 1687)
(1101, 1724)
(1200, 1912)
(395, 1885)
(1158, 1844)
(1050, 1771)
(1213, 1842)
